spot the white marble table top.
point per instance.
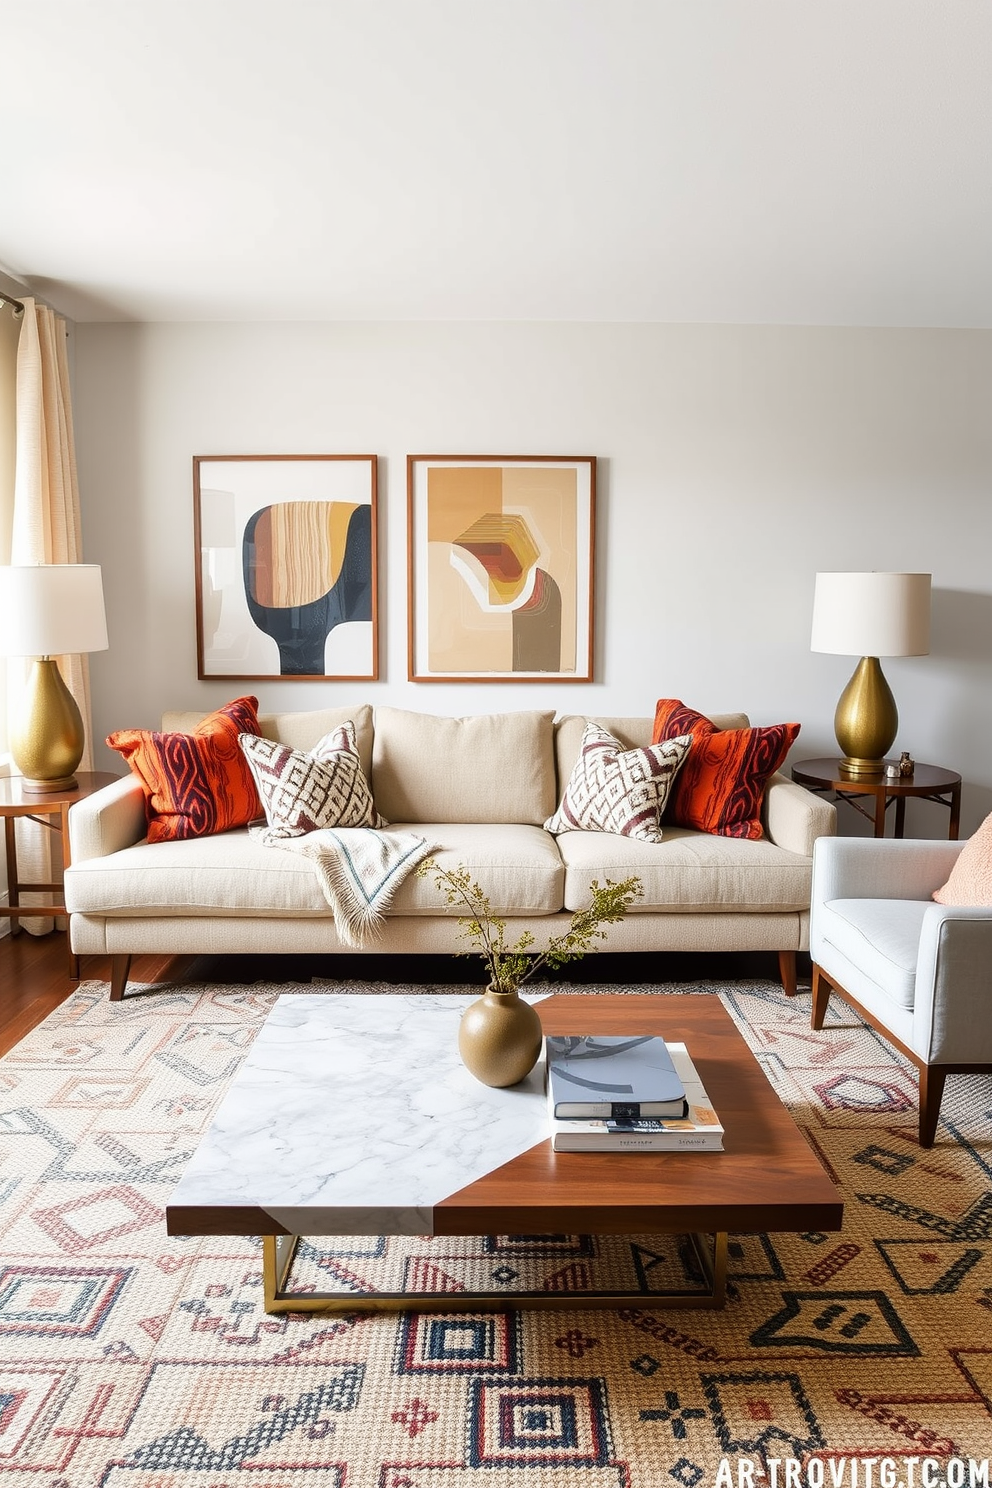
(354, 1115)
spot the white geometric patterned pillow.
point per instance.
(612, 789)
(304, 792)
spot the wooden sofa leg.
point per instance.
(787, 971)
(932, 1077)
(821, 996)
(119, 968)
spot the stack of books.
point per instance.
(627, 1094)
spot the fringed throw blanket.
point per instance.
(359, 870)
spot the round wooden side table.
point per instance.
(927, 782)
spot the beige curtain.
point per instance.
(10, 329)
(45, 527)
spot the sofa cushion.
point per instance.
(195, 783)
(879, 936)
(301, 792)
(518, 867)
(299, 730)
(225, 875)
(721, 785)
(688, 872)
(495, 767)
(612, 789)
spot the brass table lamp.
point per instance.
(49, 610)
(869, 615)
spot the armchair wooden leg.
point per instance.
(119, 968)
(932, 1077)
(821, 996)
(787, 971)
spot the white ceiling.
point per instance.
(780, 161)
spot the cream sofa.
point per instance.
(479, 787)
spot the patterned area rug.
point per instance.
(131, 1360)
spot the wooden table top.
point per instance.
(826, 774)
(16, 800)
(767, 1178)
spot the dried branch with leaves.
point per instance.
(509, 966)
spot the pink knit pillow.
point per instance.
(970, 882)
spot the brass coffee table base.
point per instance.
(278, 1253)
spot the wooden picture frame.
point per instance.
(286, 571)
(500, 557)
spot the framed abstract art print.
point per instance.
(500, 559)
(285, 567)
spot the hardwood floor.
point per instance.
(34, 972)
(34, 979)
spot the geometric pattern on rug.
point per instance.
(60, 1301)
(129, 1359)
(434, 1344)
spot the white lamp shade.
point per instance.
(52, 609)
(871, 614)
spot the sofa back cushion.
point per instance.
(494, 767)
(632, 733)
(298, 730)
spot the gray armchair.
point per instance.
(918, 972)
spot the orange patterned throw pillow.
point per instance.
(721, 785)
(199, 783)
(970, 883)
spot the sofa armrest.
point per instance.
(110, 819)
(880, 867)
(951, 1023)
(794, 817)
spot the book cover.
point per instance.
(612, 1077)
(699, 1131)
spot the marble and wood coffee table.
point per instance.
(353, 1115)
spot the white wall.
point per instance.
(734, 462)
